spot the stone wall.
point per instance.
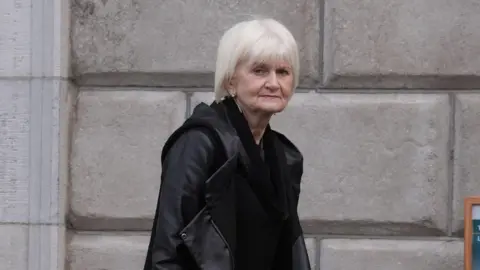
(386, 117)
(36, 101)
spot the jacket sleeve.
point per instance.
(185, 169)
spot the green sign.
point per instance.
(476, 244)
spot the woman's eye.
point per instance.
(284, 72)
(259, 71)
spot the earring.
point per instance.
(233, 95)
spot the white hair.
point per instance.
(257, 40)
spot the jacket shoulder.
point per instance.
(210, 122)
(192, 149)
(293, 154)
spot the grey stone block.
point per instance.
(32, 147)
(34, 38)
(15, 38)
(170, 43)
(46, 247)
(374, 163)
(116, 153)
(40, 247)
(467, 155)
(107, 251)
(14, 150)
(13, 247)
(50, 112)
(401, 44)
(345, 254)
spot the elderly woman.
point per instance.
(230, 184)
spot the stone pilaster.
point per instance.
(36, 100)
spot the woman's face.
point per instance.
(263, 87)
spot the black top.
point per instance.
(257, 232)
(261, 203)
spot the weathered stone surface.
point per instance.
(31, 146)
(116, 153)
(48, 180)
(148, 42)
(395, 43)
(34, 38)
(25, 247)
(374, 164)
(107, 251)
(467, 155)
(15, 38)
(46, 247)
(14, 150)
(344, 254)
(57, 13)
(13, 247)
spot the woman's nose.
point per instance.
(272, 81)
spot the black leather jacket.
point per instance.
(194, 224)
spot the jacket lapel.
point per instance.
(220, 200)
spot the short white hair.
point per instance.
(257, 40)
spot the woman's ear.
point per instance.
(229, 84)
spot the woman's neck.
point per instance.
(257, 123)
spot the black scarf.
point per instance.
(268, 178)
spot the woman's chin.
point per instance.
(272, 107)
